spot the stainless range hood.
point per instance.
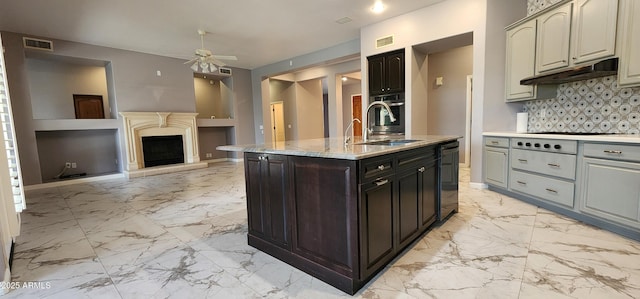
(599, 69)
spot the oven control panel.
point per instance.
(545, 145)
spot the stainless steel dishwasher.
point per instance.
(449, 163)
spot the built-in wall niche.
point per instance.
(214, 96)
(92, 152)
(57, 82)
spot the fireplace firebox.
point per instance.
(162, 150)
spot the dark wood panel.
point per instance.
(255, 199)
(376, 225)
(395, 72)
(409, 188)
(277, 198)
(429, 194)
(376, 75)
(325, 211)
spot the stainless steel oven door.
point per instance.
(380, 122)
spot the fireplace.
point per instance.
(162, 150)
(164, 126)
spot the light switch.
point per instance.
(289, 126)
(159, 73)
(439, 81)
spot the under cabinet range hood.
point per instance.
(599, 69)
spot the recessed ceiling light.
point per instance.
(378, 7)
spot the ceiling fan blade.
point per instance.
(217, 62)
(225, 57)
(192, 60)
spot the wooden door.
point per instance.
(277, 122)
(377, 228)
(88, 106)
(376, 75)
(356, 108)
(394, 73)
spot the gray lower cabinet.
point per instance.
(610, 185)
(550, 189)
(496, 161)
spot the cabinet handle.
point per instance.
(551, 190)
(521, 183)
(421, 169)
(613, 152)
(523, 160)
(554, 165)
(381, 182)
(495, 142)
(381, 167)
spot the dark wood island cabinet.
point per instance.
(340, 220)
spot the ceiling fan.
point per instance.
(204, 61)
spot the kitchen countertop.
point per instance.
(335, 148)
(617, 138)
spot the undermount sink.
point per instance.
(389, 142)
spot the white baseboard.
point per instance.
(478, 185)
(75, 181)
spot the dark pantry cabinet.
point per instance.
(340, 220)
(386, 73)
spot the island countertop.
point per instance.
(335, 148)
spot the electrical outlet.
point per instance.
(67, 165)
(74, 165)
(208, 155)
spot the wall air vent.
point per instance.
(224, 70)
(384, 41)
(37, 44)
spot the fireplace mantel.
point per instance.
(142, 124)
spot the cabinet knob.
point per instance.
(557, 146)
(546, 145)
(519, 143)
(537, 145)
(381, 167)
(421, 169)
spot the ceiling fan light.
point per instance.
(194, 67)
(205, 68)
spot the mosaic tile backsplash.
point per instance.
(534, 6)
(595, 105)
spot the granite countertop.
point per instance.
(335, 148)
(616, 138)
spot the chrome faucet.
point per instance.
(365, 136)
(347, 138)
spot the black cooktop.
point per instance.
(574, 133)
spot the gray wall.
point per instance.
(136, 87)
(446, 108)
(52, 85)
(209, 139)
(309, 109)
(94, 152)
(207, 97)
(284, 91)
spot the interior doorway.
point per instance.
(277, 121)
(468, 121)
(356, 111)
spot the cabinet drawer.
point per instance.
(416, 157)
(612, 151)
(496, 141)
(557, 191)
(376, 167)
(559, 165)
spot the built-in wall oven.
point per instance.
(379, 120)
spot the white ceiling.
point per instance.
(258, 32)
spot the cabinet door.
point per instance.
(409, 205)
(594, 30)
(496, 166)
(376, 225)
(394, 73)
(629, 43)
(266, 197)
(520, 64)
(376, 75)
(610, 189)
(429, 194)
(552, 47)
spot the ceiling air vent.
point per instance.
(224, 70)
(384, 41)
(38, 44)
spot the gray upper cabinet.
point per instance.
(521, 55)
(629, 44)
(594, 30)
(554, 31)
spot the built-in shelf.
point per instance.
(75, 124)
(216, 122)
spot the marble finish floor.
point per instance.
(183, 235)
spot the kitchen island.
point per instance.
(341, 213)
